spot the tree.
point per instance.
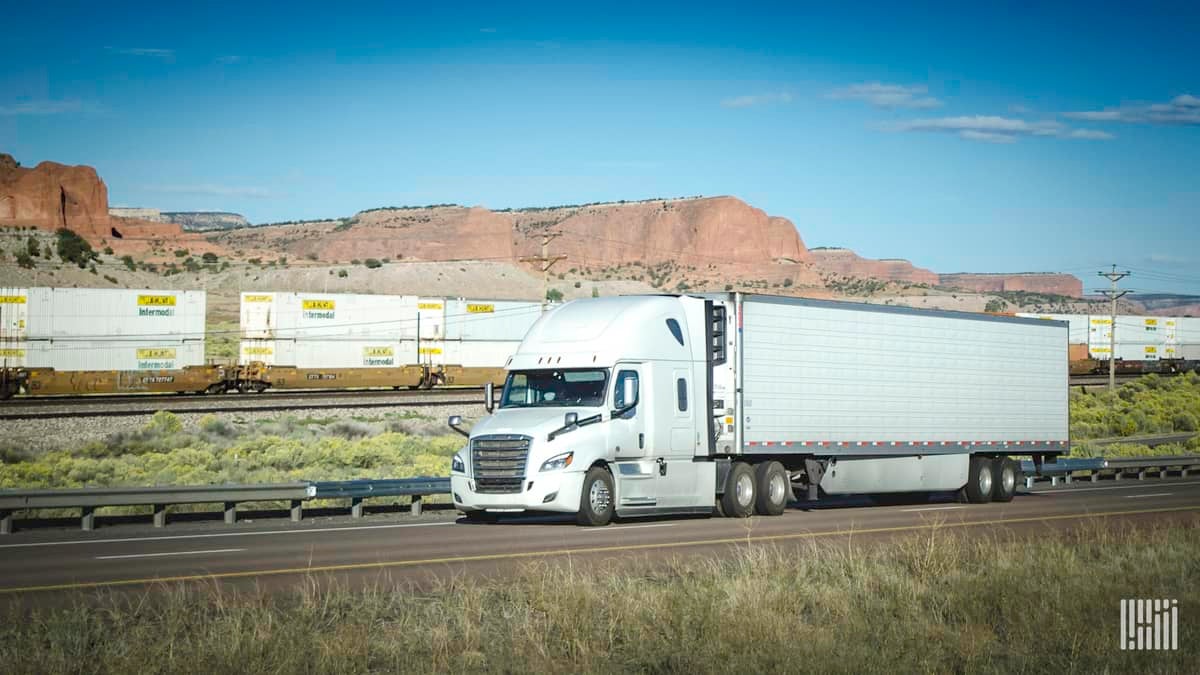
(995, 306)
(595, 292)
(372, 263)
(554, 295)
(181, 253)
(129, 264)
(25, 260)
(74, 248)
(31, 246)
(209, 257)
(342, 274)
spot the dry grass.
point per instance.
(936, 602)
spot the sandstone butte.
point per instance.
(52, 196)
(701, 239)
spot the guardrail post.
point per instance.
(1067, 478)
(230, 513)
(1053, 481)
(356, 507)
(297, 510)
(5, 522)
(1162, 473)
(1095, 477)
(160, 515)
(87, 520)
(1183, 472)
(1141, 474)
(1119, 474)
(416, 505)
(1028, 482)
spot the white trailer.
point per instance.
(647, 405)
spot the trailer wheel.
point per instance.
(771, 490)
(596, 501)
(979, 481)
(738, 500)
(1006, 473)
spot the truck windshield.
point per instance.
(546, 388)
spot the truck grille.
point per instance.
(498, 463)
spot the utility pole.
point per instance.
(1113, 295)
(545, 261)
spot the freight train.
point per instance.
(64, 341)
(1144, 344)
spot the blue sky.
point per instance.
(1000, 138)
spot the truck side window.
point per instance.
(619, 395)
(681, 394)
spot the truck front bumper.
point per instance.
(549, 491)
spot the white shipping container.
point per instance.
(131, 354)
(1077, 325)
(485, 333)
(304, 316)
(879, 378)
(104, 313)
(1187, 337)
(14, 306)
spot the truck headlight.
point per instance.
(457, 465)
(558, 462)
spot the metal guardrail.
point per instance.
(89, 499)
(1117, 468)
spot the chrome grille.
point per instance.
(498, 463)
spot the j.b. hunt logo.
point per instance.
(156, 305)
(1149, 624)
(318, 309)
(158, 358)
(379, 356)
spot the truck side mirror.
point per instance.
(489, 397)
(570, 419)
(455, 423)
(629, 391)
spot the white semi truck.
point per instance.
(662, 404)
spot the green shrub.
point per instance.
(25, 261)
(209, 257)
(181, 253)
(372, 263)
(129, 263)
(74, 248)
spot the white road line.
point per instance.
(932, 508)
(159, 555)
(1069, 490)
(34, 544)
(1156, 494)
(623, 527)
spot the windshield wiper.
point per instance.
(573, 426)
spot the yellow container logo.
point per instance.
(256, 298)
(324, 305)
(429, 351)
(1101, 322)
(12, 353)
(1151, 322)
(156, 300)
(257, 351)
(475, 308)
(156, 353)
(378, 351)
(1151, 350)
(429, 305)
(12, 299)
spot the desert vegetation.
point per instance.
(939, 601)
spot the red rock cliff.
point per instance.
(53, 195)
(1055, 284)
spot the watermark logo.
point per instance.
(1149, 624)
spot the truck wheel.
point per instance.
(771, 489)
(1005, 474)
(979, 481)
(596, 502)
(738, 500)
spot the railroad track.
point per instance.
(239, 404)
(231, 396)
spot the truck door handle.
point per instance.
(662, 466)
(641, 441)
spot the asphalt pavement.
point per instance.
(280, 555)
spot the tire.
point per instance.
(771, 489)
(980, 484)
(596, 507)
(1006, 473)
(738, 500)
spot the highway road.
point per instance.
(273, 555)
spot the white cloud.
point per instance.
(212, 190)
(993, 128)
(757, 99)
(165, 54)
(40, 108)
(1183, 110)
(882, 95)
